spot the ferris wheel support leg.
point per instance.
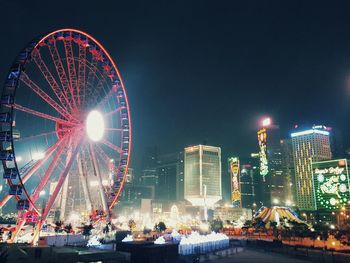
(99, 179)
(19, 226)
(84, 184)
(35, 238)
(60, 182)
(65, 189)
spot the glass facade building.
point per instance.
(202, 178)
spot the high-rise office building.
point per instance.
(270, 155)
(248, 186)
(308, 146)
(149, 177)
(170, 176)
(202, 175)
(288, 172)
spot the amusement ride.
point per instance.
(65, 136)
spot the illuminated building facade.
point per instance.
(234, 170)
(264, 168)
(202, 178)
(270, 156)
(308, 146)
(331, 182)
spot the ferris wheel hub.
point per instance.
(95, 125)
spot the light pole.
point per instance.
(205, 203)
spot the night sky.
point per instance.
(200, 71)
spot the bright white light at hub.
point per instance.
(42, 193)
(95, 126)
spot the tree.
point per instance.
(87, 230)
(216, 225)
(68, 229)
(106, 229)
(58, 226)
(161, 227)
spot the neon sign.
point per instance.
(235, 185)
(331, 181)
(264, 168)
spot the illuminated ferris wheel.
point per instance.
(65, 130)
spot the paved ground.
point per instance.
(252, 256)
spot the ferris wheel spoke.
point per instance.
(97, 91)
(47, 174)
(71, 70)
(105, 98)
(42, 115)
(61, 180)
(113, 111)
(97, 173)
(104, 156)
(34, 168)
(41, 134)
(40, 162)
(67, 89)
(42, 94)
(81, 72)
(51, 80)
(91, 76)
(114, 129)
(112, 146)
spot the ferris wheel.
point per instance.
(65, 135)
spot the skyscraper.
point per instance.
(288, 171)
(308, 146)
(270, 155)
(203, 175)
(170, 175)
(248, 193)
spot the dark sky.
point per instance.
(208, 70)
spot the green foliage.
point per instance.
(87, 230)
(58, 226)
(68, 228)
(160, 227)
(216, 225)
